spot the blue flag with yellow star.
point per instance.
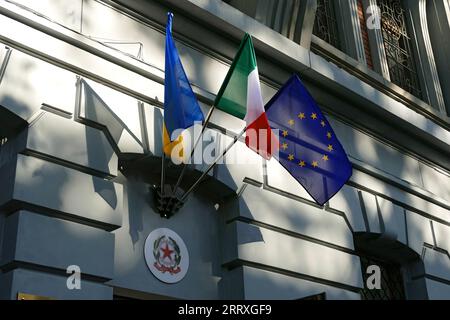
(309, 148)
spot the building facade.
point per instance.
(81, 111)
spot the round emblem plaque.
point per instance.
(166, 255)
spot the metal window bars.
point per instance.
(326, 24)
(392, 287)
(397, 45)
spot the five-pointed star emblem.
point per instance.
(167, 253)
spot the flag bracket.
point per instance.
(167, 202)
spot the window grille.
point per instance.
(392, 287)
(326, 24)
(397, 45)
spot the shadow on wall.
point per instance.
(133, 192)
(99, 115)
(15, 88)
(158, 121)
(11, 104)
(13, 129)
(47, 181)
(11, 125)
(42, 183)
(97, 112)
(95, 154)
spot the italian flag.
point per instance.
(240, 95)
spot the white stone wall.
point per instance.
(87, 106)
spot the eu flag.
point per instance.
(309, 148)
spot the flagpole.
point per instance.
(246, 44)
(196, 183)
(180, 178)
(163, 173)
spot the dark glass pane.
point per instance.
(279, 15)
(397, 45)
(325, 24)
(316, 297)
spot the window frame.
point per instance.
(406, 37)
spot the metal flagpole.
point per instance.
(180, 178)
(192, 188)
(160, 196)
(163, 173)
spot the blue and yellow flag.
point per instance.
(181, 108)
(309, 148)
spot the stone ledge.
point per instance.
(49, 242)
(273, 249)
(60, 191)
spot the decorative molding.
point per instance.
(418, 20)
(354, 46)
(293, 19)
(438, 15)
(376, 42)
(305, 23)
(447, 9)
(4, 61)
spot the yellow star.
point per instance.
(325, 158)
(302, 163)
(330, 147)
(284, 146)
(323, 123)
(315, 164)
(314, 116)
(291, 157)
(301, 116)
(329, 135)
(291, 122)
(285, 133)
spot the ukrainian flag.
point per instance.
(181, 108)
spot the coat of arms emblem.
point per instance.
(166, 255)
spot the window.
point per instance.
(325, 24)
(397, 45)
(316, 297)
(364, 33)
(392, 287)
(279, 15)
